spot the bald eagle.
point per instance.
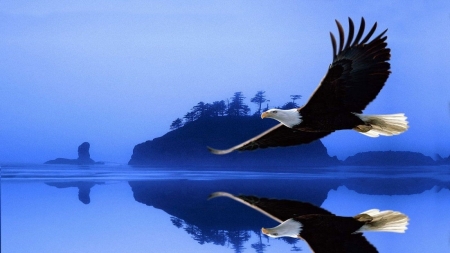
(323, 231)
(355, 77)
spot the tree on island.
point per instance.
(201, 110)
(258, 99)
(237, 107)
(189, 117)
(219, 108)
(295, 97)
(176, 124)
(291, 105)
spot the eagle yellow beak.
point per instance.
(264, 231)
(264, 114)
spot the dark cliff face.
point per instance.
(186, 146)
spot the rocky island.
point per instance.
(187, 146)
(84, 158)
(222, 125)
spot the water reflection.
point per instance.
(221, 223)
(231, 223)
(84, 189)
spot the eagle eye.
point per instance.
(275, 234)
(274, 111)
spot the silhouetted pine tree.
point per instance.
(295, 97)
(237, 106)
(258, 99)
(189, 117)
(237, 238)
(289, 105)
(176, 124)
(219, 108)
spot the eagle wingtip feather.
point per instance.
(219, 151)
(219, 194)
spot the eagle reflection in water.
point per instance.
(324, 231)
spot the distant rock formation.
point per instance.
(83, 153)
(442, 161)
(186, 147)
(446, 160)
(84, 158)
(389, 158)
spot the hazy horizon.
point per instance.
(116, 74)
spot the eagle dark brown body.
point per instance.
(329, 122)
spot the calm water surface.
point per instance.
(116, 208)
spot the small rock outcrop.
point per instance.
(83, 153)
(443, 161)
(84, 158)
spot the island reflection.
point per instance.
(223, 222)
(84, 188)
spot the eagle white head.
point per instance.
(289, 228)
(288, 118)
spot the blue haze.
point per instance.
(117, 73)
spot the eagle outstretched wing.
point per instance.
(355, 77)
(277, 136)
(277, 209)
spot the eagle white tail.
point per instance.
(385, 221)
(387, 125)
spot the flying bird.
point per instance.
(323, 231)
(358, 72)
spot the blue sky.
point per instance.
(117, 73)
